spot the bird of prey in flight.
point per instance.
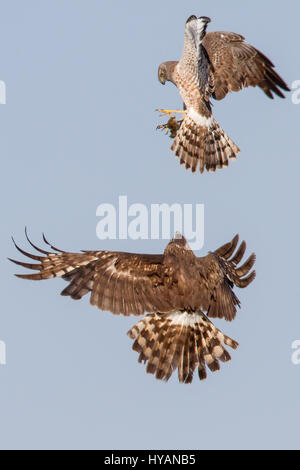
(212, 64)
(176, 290)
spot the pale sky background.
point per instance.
(78, 129)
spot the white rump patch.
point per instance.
(200, 120)
(184, 318)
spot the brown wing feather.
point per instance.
(238, 65)
(220, 273)
(126, 283)
(122, 283)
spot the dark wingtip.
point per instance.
(37, 258)
(235, 238)
(45, 239)
(206, 19)
(27, 277)
(13, 260)
(51, 246)
(34, 246)
(191, 18)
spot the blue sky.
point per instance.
(78, 130)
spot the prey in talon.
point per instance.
(171, 127)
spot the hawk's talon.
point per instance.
(170, 112)
(164, 127)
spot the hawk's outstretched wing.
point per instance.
(123, 283)
(238, 65)
(220, 274)
(128, 283)
(194, 62)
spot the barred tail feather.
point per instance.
(200, 141)
(180, 340)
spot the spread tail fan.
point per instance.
(201, 142)
(180, 340)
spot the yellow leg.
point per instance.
(169, 112)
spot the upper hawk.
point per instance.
(212, 64)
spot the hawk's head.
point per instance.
(165, 72)
(178, 244)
